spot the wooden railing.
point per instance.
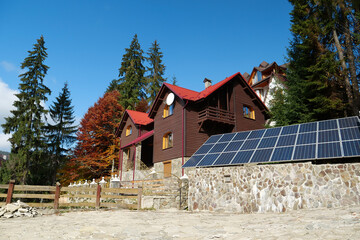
(95, 197)
(216, 114)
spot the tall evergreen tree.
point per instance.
(312, 85)
(61, 134)
(27, 163)
(156, 71)
(132, 82)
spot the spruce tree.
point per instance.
(312, 84)
(27, 164)
(132, 82)
(61, 134)
(156, 71)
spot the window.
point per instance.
(167, 140)
(249, 112)
(128, 130)
(168, 110)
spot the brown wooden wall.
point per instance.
(240, 98)
(162, 126)
(135, 133)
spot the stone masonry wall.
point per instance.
(274, 188)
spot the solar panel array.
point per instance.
(334, 138)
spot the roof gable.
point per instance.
(190, 95)
(138, 118)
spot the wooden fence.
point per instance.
(95, 197)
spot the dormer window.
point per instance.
(128, 130)
(248, 112)
(168, 110)
(257, 77)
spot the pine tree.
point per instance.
(312, 84)
(132, 82)
(156, 71)
(97, 147)
(61, 134)
(27, 163)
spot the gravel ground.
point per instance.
(339, 223)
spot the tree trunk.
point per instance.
(344, 70)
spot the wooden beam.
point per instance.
(10, 191)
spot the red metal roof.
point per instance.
(188, 94)
(140, 139)
(140, 118)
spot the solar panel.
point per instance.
(225, 158)
(329, 150)
(242, 157)
(282, 154)
(308, 127)
(234, 146)
(204, 149)
(250, 144)
(219, 147)
(286, 140)
(306, 138)
(193, 161)
(336, 138)
(262, 155)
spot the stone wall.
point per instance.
(274, 188)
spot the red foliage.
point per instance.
(97, 147)
(142, 106)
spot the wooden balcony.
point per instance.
(216, 115)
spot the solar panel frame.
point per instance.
(335, 138)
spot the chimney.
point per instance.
(207, 83)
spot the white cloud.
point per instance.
(9, 67)
(7, 98)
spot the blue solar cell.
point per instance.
(267, 142)
(208, 160)
(289, 129)
(233, 146)
(225, 158)
(328, 136)
(213, 139)
(193, 161)
(327, 125)
(250, 144)
(242, 157)
(351, 148)
(219, 147)
(349, 122)
(282, 154)
(256, 134)
(328, 150)
(227, 137)
(306, 138)
(241, 136)
(271, 132)
(308, 127)
(350, 133)
(204, 149)
(304, 152)
(262, 155)
(287, 140)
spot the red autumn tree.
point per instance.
(97, 147)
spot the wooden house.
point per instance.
(266, 77)
(183, 119)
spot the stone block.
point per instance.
(11, 207)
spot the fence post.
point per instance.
(140, 191)
(57, 196)
(98, 195)
(10, 191)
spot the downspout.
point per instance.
(183, 136)
(120, 161)
(134, 162)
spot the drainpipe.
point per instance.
(183, 137)
(134, 162)
(120, 162)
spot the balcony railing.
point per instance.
(217, 115)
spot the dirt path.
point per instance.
(340, 223)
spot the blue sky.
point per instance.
(86, 41)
